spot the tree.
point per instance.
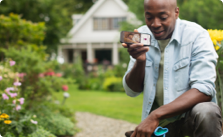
(207, 13)
(55, 13)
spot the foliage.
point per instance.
(16, 32)
(28, 80)
(57, 19)
(192, 10)
(198, 11)
(217, 39)
(39, 80)
(139, 11)
(41, 132)
(57, 124)
(12, 115)
(113, 84)
(96, 79)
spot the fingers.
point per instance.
(134, 134)
(124, 45)
(137, 53)
(135, 30)
(136, 45)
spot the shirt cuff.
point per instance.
(205, 88)
(128, 90)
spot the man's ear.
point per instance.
(177, 11)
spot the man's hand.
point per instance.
(146, 127)
(137, 50)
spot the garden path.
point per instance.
(92, 125)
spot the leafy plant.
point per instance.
(41, 132)
(57, 124)
(12, 115)
(217, 39)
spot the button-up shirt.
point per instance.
(189, 62)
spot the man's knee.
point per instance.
(207, 110)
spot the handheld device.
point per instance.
(135, 37)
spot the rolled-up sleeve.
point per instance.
(203, 65)
(128, 90)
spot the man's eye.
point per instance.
(149, 18)
(163, 18)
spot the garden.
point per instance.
(39, 96)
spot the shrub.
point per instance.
(113, 84)
(57, 124)
(41, 132)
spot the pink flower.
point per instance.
(18, 107)
(41, 75)
(13, 95)
(58, 74)
(65, 87)
(0, 78)
(14, 101)
(12, 63)
(51, 73)
(21, 100)
(34, 122)
(9, 89)
(17, 84)
(5, 97)
(21, 75)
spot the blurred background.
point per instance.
(58, 57)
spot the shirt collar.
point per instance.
(176, 34)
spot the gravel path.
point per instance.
(98, 126)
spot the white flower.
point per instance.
(66, 95)
(34, 122)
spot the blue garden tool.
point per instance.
(159, 132)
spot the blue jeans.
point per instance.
(203, 120)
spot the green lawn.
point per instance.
(111, 104)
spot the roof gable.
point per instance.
(91, 11)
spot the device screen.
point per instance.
(135, 37)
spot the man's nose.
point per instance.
(156, 23)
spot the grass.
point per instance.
(111, 104)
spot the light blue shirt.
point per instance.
(189, 62)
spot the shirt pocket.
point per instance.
(181, 74)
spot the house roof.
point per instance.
(91, 11)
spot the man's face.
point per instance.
(161, 17)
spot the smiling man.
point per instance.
(176, 75)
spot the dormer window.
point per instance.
(108, 23)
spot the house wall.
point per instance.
(83, 37)
(86, 33)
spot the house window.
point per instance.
(116, 22)
(108, 23)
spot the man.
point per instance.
(176, 74)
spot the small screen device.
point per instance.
(135, 37)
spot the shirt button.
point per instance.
(153, 84)
(165, 88)
(149, 102)
(166, 69)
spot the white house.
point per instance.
(95, 36)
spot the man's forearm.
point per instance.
(182, 104)
(135, 77)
